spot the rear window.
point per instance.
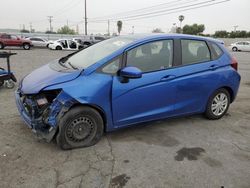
(216, 51)
(194, 51)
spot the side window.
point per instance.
(151, 56)
(6, 37)
(194, 51)
(112, 67)
(217, 52)
(13, 37)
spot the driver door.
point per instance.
(153, 95)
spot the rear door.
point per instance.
(15, 41)
(153, 95)
(197, 76)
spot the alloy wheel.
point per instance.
(219, 104)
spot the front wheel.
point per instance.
(26, 46)
(235, 49)
(218, 104)
(58, 48)
(80, 127)
(1, 46)
(9, 84)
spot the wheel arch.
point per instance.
(230, 91)
(95, 107)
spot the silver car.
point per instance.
(39, 42)
(241, 46)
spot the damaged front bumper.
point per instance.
(45, 125)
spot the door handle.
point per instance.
(168, 77)
(213, 67)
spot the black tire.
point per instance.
(80, 127)
(9, 84)
(1, 45)
(87, 43)
(1, 83)
(235, 49)
(210, 113)
(26, 46)
(80, 47)
(58, 48)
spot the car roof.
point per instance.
(151, 36)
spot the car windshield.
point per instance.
(95, 53)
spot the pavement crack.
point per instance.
(240, 148)
(113, 161)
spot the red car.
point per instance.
(12, 40)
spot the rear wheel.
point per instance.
(9, 84)
(235, 49)
(218, 104)
(1, 46)
(26, 46)
(58, 48)
(80, 127)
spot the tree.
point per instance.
(66, 30)
(157, 30)
(50, 32)
(194, 29)
(24, 31)
(221, 34)
(119, 26)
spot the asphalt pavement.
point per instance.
(183, 152)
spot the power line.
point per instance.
(71, 5)
(142, 9)
(161, 11)
(167, 13)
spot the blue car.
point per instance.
(124, 81)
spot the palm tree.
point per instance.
(119, 26)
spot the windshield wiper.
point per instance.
(69, 63)
(65, 58)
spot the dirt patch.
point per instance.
(119, 181)
(190, 153)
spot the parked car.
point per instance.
(240, 46)
(124, 81)
(90, 40)
(65, 44)
(13, 40)
(38, 41)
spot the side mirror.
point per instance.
(130, 72)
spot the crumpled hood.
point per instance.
(44, 77)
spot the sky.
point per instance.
(18, 13)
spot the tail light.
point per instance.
(234, 63)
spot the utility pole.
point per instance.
(31, 27)
(108, 28)
(68, 23)
(50, 21)
(86, 23)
